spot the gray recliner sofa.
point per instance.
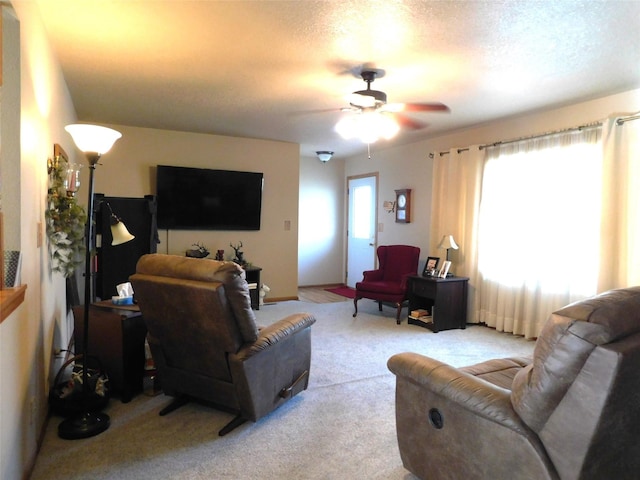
(570, 412)
(206, 344)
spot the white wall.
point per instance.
(128, 170)
(26, 336)
(322, 213)
(539, 122)
(10, 121)
(401, 167)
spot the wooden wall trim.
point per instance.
(10, 299)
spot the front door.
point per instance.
(362, 221)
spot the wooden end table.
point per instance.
(116, 337)
(444, 298)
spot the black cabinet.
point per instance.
(253, 279)
(116, 338)
(445, 299)
(114, 264)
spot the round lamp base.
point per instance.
(84, 425)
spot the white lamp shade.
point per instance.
(93, 138)
(448, 242)
(120, 234)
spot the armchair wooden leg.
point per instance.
(177, 403)
(379, 306)
(355, 305)
(235, 423)
(399, 305)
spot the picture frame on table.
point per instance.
(445, 269)
(431, 267)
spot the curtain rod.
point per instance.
(620, 121)
(532, 137)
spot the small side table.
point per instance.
(116, 337)
(445, 298)
(253, 277)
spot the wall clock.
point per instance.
(403, 205)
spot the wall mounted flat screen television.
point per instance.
(205, 199)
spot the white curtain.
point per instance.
(539, 228)
(542, 222)
(620, 231)
(457, 183)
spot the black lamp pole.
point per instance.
(86, 424)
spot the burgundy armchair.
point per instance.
(389, 282)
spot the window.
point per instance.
(362, 214)
(540, 214)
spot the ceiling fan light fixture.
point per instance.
(357, 100)
(372, 118)
(368, 98)
(394, 107)
(387, 126)
(368, 127)
(324, 155)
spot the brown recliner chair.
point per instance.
(571, 412)
(205, 343)
(388, 283)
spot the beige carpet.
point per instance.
(342, 427)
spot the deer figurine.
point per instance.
(236, 248)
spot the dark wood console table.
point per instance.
(116, 337)
(253, 277)
(444, 298)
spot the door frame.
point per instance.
(376, 176)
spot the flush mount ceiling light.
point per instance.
(324, 155)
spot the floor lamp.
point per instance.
(94, 141)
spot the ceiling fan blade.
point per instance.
(410, 123)
(426, 107)
(392, 107)
(321, 110)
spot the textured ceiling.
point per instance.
(256, 68)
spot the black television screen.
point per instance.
(205, 199)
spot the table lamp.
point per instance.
(448, 242)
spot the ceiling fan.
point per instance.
(370, 100)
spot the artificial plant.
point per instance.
(65, 221)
